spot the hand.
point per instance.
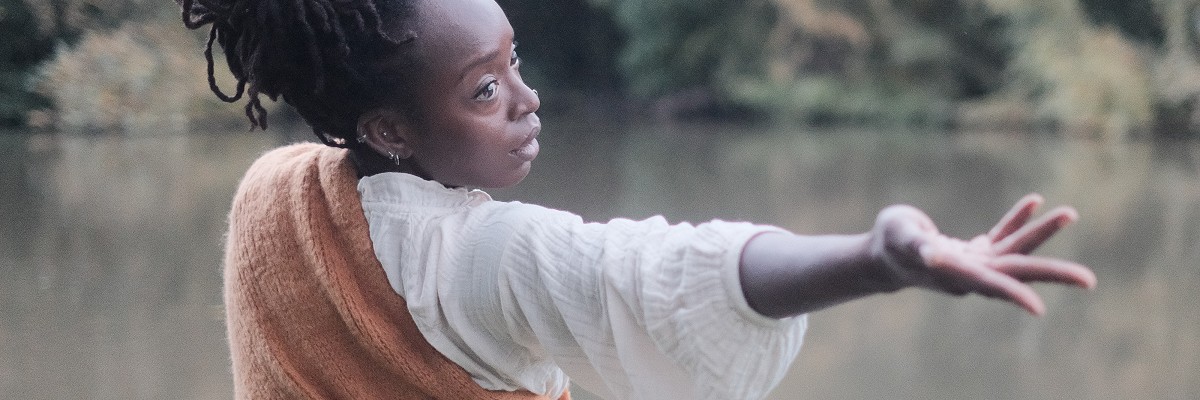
(996, 264)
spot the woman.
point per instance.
(375, 272)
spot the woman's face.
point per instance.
(477, 125)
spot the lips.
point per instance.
(529, 148)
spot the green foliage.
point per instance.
(143, 79)
(72, 18)
(569, 50)
(25, 47)
(864, 58)
(962, 43)
(825, 100)
(1088, 80)
(1138, 19)
(1099, 68)
(34, 27)
(575, 49)
(674, 45)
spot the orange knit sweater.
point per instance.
(309, 310)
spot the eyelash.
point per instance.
(493, 85)
(515, 61)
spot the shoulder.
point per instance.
(523, 218)
(296, 177)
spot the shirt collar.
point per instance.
(408, 189)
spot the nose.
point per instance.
(525, 102)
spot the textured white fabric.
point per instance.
(522, 296)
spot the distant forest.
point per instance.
(1108, 69)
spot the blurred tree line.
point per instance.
(104, 65)
(1097, 68)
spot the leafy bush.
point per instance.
(40, 25)
(1096, 68)
(144, 79)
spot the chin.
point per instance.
(513, 179)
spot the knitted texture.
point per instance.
(310, 313)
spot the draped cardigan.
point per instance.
(309, 310)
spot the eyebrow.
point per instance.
(491, 55)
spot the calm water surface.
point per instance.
(110, 249)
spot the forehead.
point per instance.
(462, 28)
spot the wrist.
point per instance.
(880, 268)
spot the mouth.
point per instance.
(529, 148)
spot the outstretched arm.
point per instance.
(784, 275)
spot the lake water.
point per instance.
(110, 249)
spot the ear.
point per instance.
(387, 132)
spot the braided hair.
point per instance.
(329, 59)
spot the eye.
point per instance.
(488, 91)
(514, 60)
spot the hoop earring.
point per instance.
(395, 158)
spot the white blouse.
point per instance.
(522, 296)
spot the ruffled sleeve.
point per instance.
(638, 309)
(522, 297)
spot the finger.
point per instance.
(1003, 287)
(957, 271)
(1043, 269)
(1033, 234)
(1016, 217)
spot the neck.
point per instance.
(368, 162)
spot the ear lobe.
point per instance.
(387, 134)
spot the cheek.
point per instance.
(477, 136)
(461, 150)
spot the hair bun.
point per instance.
(293, 48)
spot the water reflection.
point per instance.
(111, 250)
(111, 247)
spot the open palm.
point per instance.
(996, 264)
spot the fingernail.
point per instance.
(1071, 214)
(1090, 281)
(1037, 309)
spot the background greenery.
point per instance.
(1106, 69)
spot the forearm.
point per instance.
(784, 274)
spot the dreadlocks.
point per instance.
(296, 48)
